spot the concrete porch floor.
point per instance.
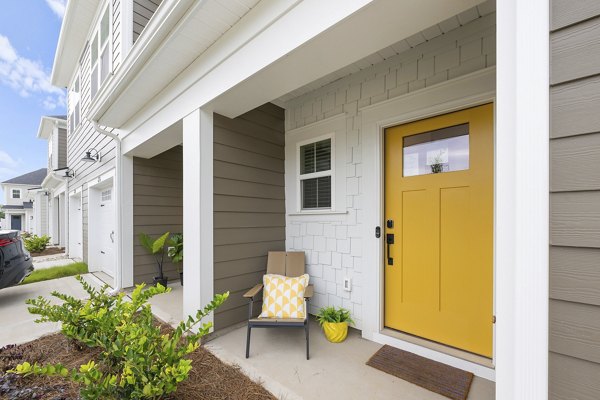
(278, 361)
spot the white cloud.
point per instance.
(27, 77)
(7, 161)
(9, 167)
(57, 6)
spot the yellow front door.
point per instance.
(439, 229)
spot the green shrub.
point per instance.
(137, 360)
(332, 314)
(36, 244)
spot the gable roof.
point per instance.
(31, 178)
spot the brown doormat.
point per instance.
(432, 375)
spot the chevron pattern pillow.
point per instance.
(283, 297)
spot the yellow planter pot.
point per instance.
(335, 332)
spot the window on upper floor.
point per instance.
(16, 193)
(315, 174)
(74, 105)
(100, 52)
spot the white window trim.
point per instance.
(333, 128)
(302, 177)
(12, 194)
(109, 44)
(71, 108)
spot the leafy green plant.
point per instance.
(332, 314)
(138, 359)
(36, 244)
(157, 249)
(175, 252)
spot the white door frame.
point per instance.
(457, 94)
(95, 187)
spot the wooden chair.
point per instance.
(289, 264)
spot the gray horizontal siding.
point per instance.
(249, 203)
(574, 315)
(157, 208)
(142, 12)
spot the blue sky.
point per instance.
(28, 35)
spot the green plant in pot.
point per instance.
(334, 322)
(157, 249)
(175, 253)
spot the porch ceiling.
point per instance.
(367, 37)
(483, 9)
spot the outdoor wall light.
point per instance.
(91, 158)
(68, 172)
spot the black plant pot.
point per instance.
(181, 278)
(162, 281)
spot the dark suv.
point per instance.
(15, 261)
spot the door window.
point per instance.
(434, 152)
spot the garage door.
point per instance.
(106, 232)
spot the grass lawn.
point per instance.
(56, 272)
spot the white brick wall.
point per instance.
(333, 246)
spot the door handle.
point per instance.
(112, 236)
(101, 252)
(389, 240)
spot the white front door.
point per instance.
(106, 231)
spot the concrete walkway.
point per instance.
(54, 260)
(334, 371)
(18, 324)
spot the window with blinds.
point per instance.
(315, 175)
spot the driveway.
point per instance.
(18, 324)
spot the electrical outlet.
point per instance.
(347, 284)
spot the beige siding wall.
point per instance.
(62, 148)
(142, 12)
(575, 200)
(249, 203)
(157, 208)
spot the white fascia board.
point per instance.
(47, 125)
(268, 32)
(163, 30)
(156, 35)
(71, 41)
(263, 67)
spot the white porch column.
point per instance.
(522, 199)
(126, 237)
(197, 211)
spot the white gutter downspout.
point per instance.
(118, 168)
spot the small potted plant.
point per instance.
(334, 322)
(157, 249)
(175, 253)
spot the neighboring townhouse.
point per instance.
(25, 204)
(53, 129)
(404, 146)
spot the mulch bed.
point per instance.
(209, 378)
(49, 251)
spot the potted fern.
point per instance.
(175, 253)
(334, 322)
(157, 249)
